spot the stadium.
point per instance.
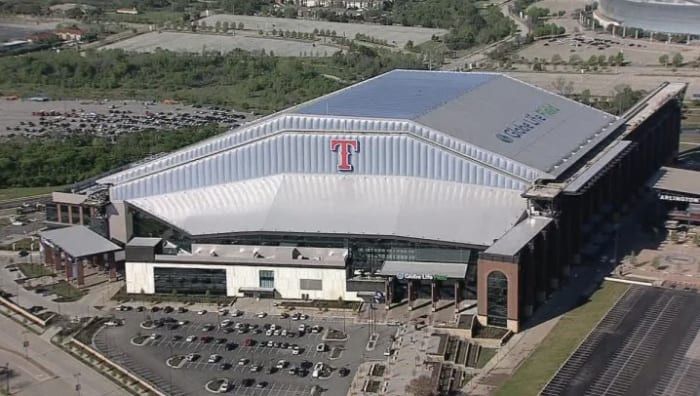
(675, 16)
(410, 186)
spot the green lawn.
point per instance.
(31, 270)
(531, 377)
(10, 193)
(485, 354)
(65, 292)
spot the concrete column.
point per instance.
(58, 213)
(458, 294)
(434, 294)
(80, 269)
(69, 268)
(388, 292)
(70, 214)
(526, 260)
(553, 254)
(112, 266)
(541, 265)
(411, 295)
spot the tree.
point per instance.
(663, 59)
(421, 386)
(620, 59)
(241, 26)
(575, 60)
(225, 26)
(677, 60)
(409, 45)
(217, 26)
(556, 59)
(563, 87)
(592, 61)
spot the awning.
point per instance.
(79, 241)
(424, 270)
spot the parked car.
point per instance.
(318, 368)
(243, 361)
(281, 364)
(213, 358)
(191, 338)
(248, 342)
(236, 313)
(262, 314)
(191, 357)
(181, 309)
(344, 372)
(201, 312)
(261, 384)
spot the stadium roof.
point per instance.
(477, 108)
(79, 241)
(678, 180)
(376, 206)
(490, 118)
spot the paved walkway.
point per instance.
(98, 296)
(48, 370)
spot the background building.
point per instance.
(411, 185)
(675, 16)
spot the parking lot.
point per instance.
(244, 358)
(646, 345)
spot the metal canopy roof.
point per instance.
(598, 166)
(343, 204)
(492, 118)
(512, 242)
(415, 269)
(404, 94)
(79, 241)
(144, 242)
(677, 180)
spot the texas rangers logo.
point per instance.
(345, 148)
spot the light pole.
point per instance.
(25, 344)
(77, 383)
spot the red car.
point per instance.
(248, 342)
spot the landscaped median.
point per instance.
(561, 342)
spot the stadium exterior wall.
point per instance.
(651, 16)
(140, 278)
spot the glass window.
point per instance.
(310, 284)
(147, 226)
(51, 212)
(190, 281)
(75, 215)
(497, 298)
(267, 279)
(64, 214)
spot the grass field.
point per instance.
(65, 292)
(11, 193)
(34, 270)
(571, 330)
(485, 355)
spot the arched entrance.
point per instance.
(497, 298)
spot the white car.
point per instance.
(191, 357)
(183, 322)
(191, 338)
(154, 336)
(201, 312)
(317, 370)
(223, 388)
(242, 362)
(315, 329)
(284, 333)
(262, 314)
(282, 364)
(236, 312)
(238, 325)
(213, 358)
(226, 322)
(387, 352)
(113, 323)
(296, 351)
(277, 332)
(302, 328)
(269, 333)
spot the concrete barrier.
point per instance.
(117, 367)
(629, 282)
(16, 308)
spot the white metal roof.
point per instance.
(79, 241)
(343, 204)
(502, 123)
(677, 180)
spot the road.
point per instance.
(49, 370)
(98, 296)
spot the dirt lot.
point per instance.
(397, 35)
(197, 42)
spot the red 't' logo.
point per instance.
(345, 147)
